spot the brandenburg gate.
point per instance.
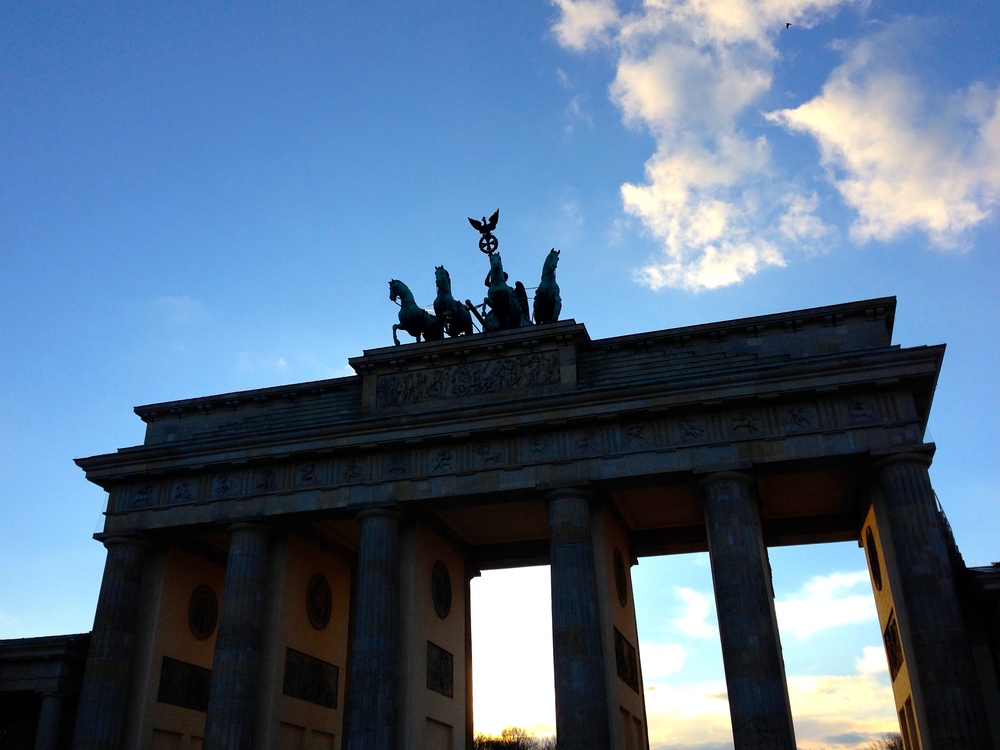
(290, 566)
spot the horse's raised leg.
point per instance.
(395, 338)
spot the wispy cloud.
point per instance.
(249, 362)
(902, 158)
(830, 712)
(836, 712)
(693, 74)
(694, 619)
(576, 111)
(826, 602)
(180, 310)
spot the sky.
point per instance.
(203, 198)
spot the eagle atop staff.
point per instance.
(487, 243)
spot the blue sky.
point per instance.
(200, 200)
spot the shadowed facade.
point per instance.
(332, 528)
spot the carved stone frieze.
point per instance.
(488, 455)
(468, 379)
(862, 412)
(635, 436)
(745, 424)
(557, 442)
(184, 492)
(691, 430)
(799, 419)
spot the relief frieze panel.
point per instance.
(537, 447)
(488, 455)
(691, 430)
(744, 424)
(468, 379)
(185, 491)
(862, 412)
(799, 419)
(636, 437)
(227, 484)
(394, 466)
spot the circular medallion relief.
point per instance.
(621, 579)
(203, 612)
(873, 561)
(319, 601)
(441, 589)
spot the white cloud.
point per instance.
(584, 23)
(872, 661)
(901, 158)
(688, 71)
(694, 619)
(692, 72)
(660, 659)
(826, 602)
(800, 223)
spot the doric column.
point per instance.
(949, 705)
(581, 695)
(231, 703)
(49, 721)
(748, 628)
(373, 720)
(100, 715)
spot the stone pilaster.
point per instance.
(373, 719)
(949, 706)
(100, 717)
(751, 649)
(581, 695)
(49, 722)
(231, 704)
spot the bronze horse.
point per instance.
(412, 318)
(456, 316)
(506, 311)
(548, 303)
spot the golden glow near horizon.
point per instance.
(685, 699)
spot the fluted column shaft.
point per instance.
(373, 720)
(751, 649)
(100, 717)
(231, 704)
(581, 694)
(941, 659)
(49, 721)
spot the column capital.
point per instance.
(389, 511)
(250, 526)
(923, 458)
(118, 540)
(742, 477)
(573, 492)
